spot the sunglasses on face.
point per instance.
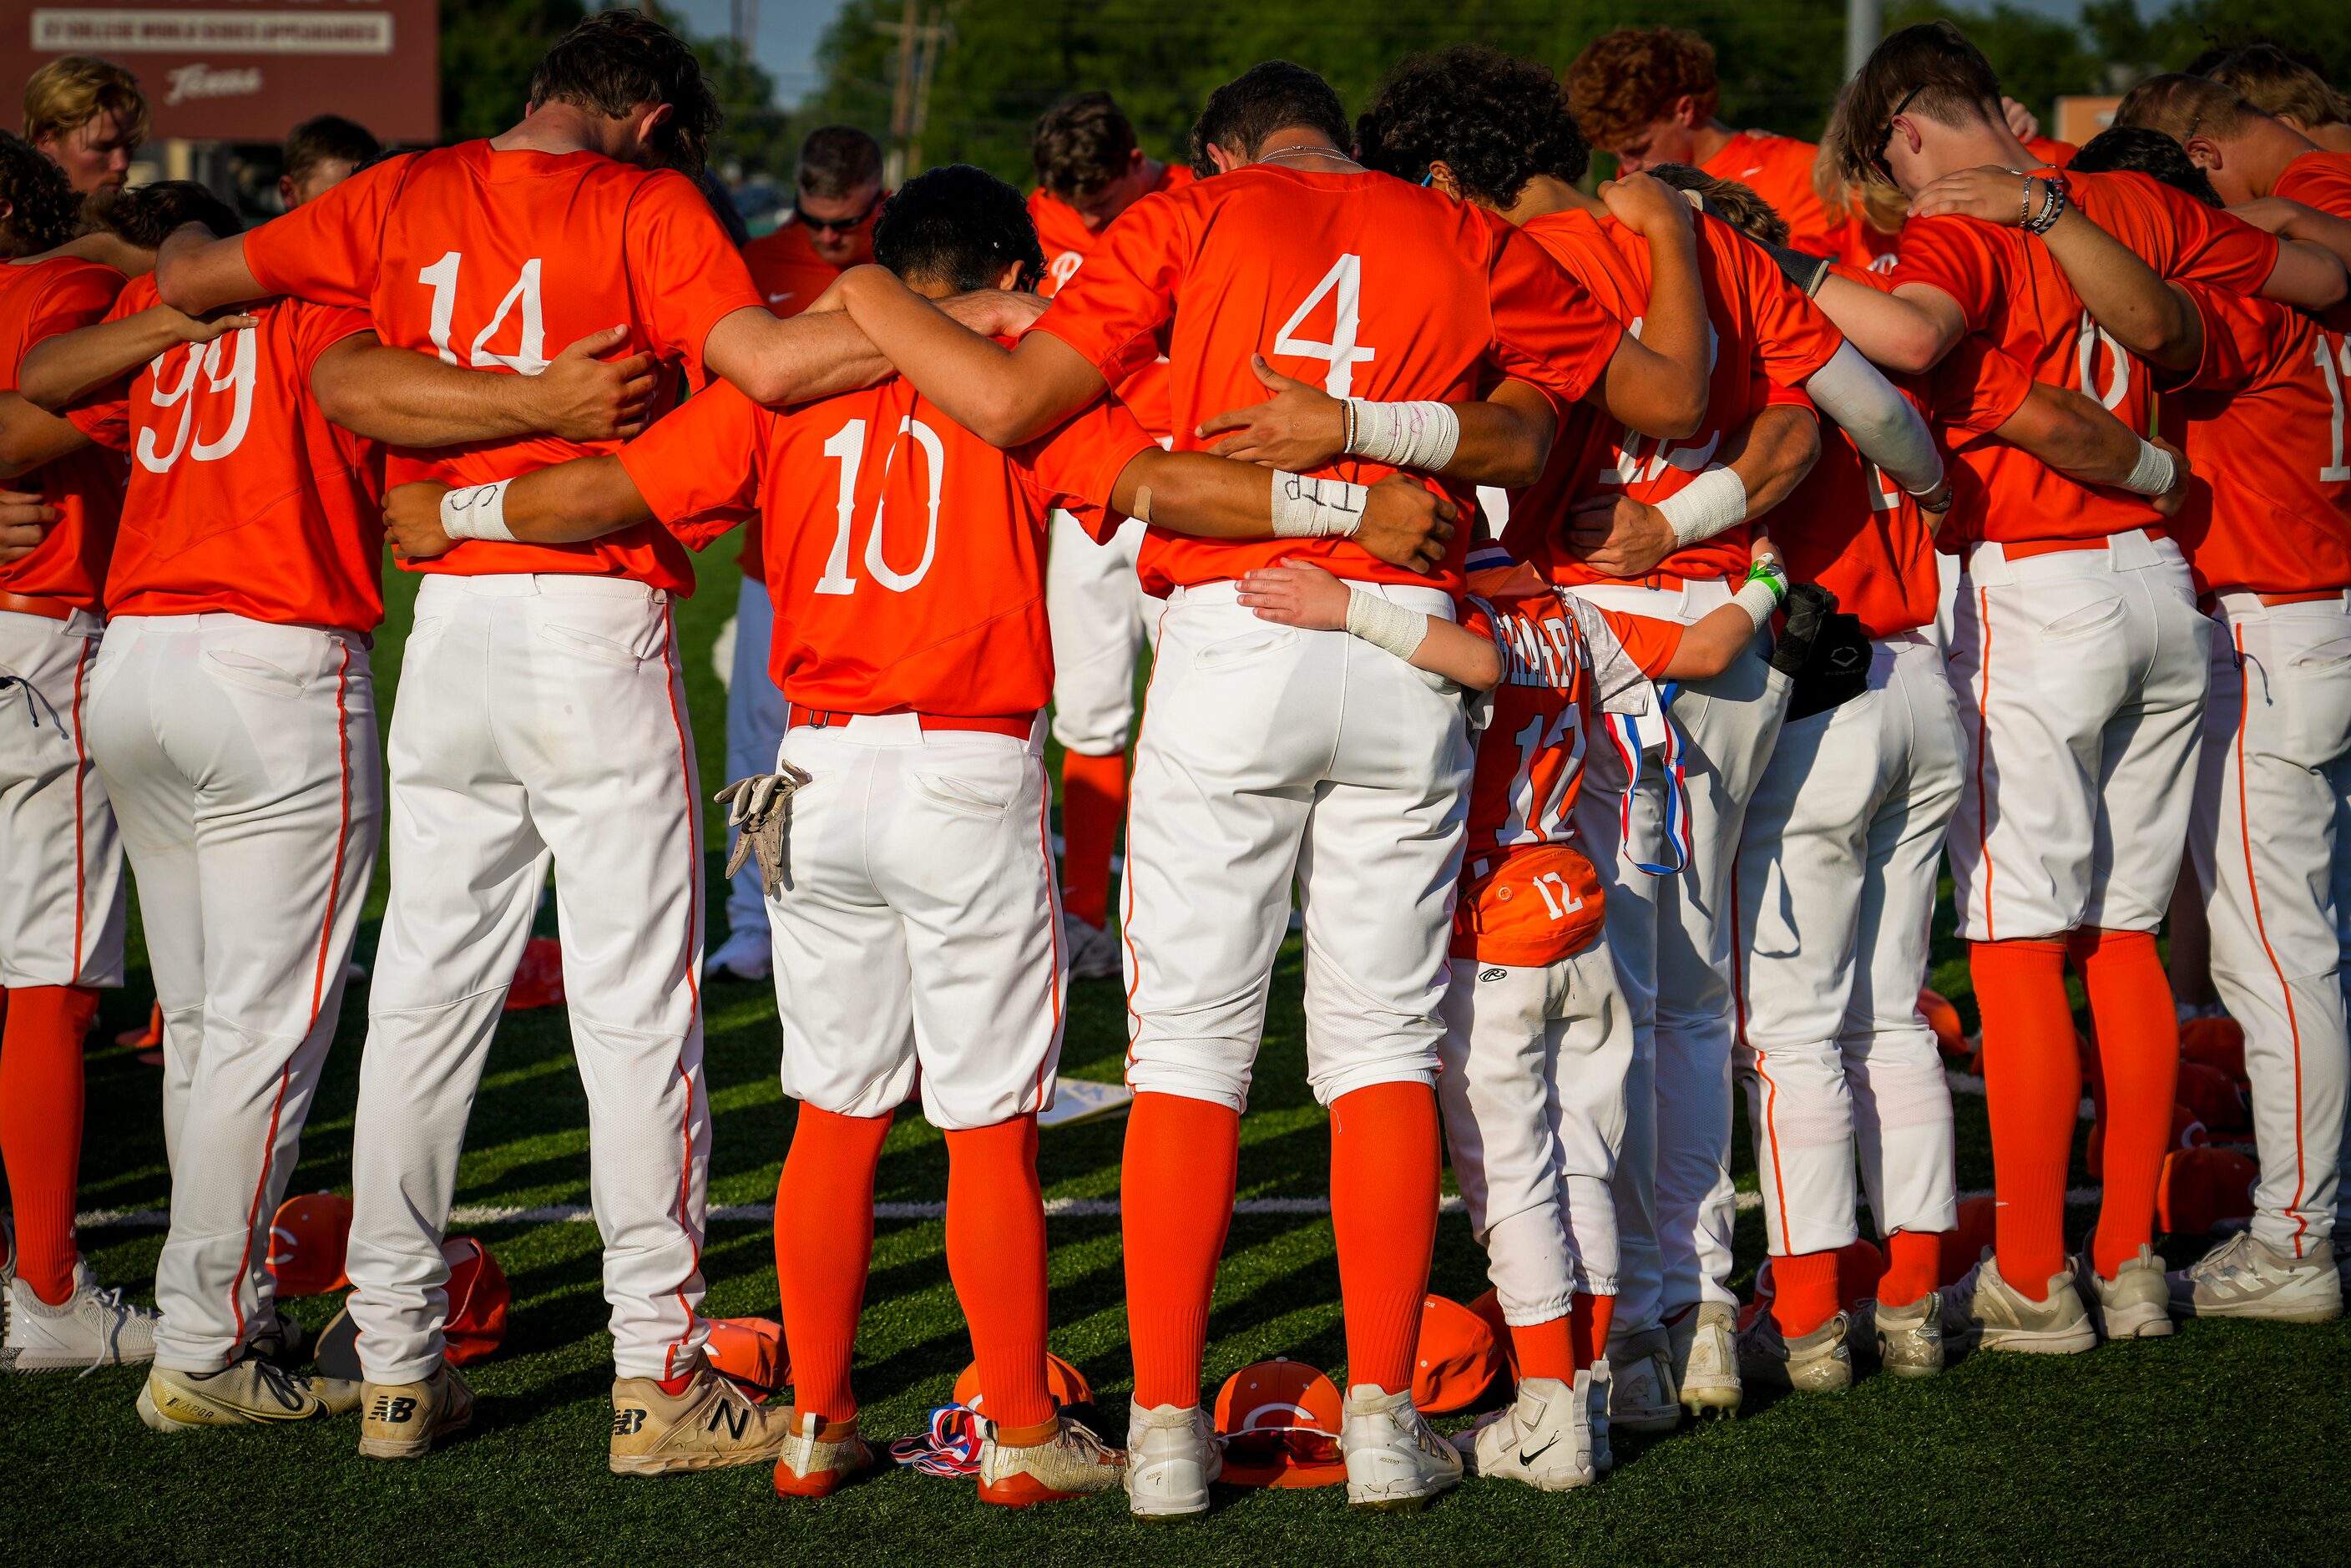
(1886, 140)
(842, 225)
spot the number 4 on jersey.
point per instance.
(1342, 286)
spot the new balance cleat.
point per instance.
(403, 1420)
(1172, 1454)
(1395, 1460)
(1706, 1359)
(2243, 1277)
(2135, 1304)
(1070, 1463)
(710, 1426)
(1543, 1437)
(1981, 1311)
(815, 1465)
(1640, 1397)
(1820, 1362)
(251, 1393)
(93, 1326)
(1093, 950)
(1910, 1338)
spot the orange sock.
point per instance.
(1093, 803)
(1546, 1349)
(1588, 1328)
(1383, 1174)
(1182, 1157)
(1914, 1261)
(1803, 1292)
(40, 1126)
(2032, 1087)
(824, 1243)
(996, 1255)
(2138, 1052)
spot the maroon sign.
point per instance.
(245, 70)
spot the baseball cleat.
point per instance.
(1820, 1362)
(713, 1424)
(1595, 1398)
(1910, 1338)
(1395, 1460)
(1706, 1359)
(251, 1393)
(1093, 951)
(93, 1327)
(280, 1337)
(2135, 1304)
(2242, 1278)
(1641, 1395)
(814, 1465)
(1542, 1437)
(1982, 1311)
(1070, 1463)
(403, 1420)
(1172, 1454)
(744, 956)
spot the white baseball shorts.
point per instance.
(1100, 620)
(61, 889)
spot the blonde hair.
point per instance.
(72, 89)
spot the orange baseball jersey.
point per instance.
(1780, 169)
(2017, 298)
(2052, 153)
(2269, 507)
(1861, 538)
(905, 556)
(1527, 890)
(243, 497)
(1067, 243)
(498, 261)
(788, 272)
(1360, 282)
(2321, 179)
(37, 300)
(1767, 340)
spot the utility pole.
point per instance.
(747, 23)
(920, 44)
(1863, 26)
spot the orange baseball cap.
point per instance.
(1489, 1308)
(1944, 1020)
(2202, 1187)
(1459, 1358)
(478, 1297)
(751, 1352)
(539, 978)
(1965, 1243)
(307, 1242)
(2216, 1043)
(2212, 1096)
(1281, 1420)
(1066, 1383)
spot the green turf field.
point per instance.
(2226, 1443)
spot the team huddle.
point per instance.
(1599, 617)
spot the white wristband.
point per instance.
(2156, 472)
(1714, 501)
(1404, 435)
(477, 512)
(1385, 624)
(1758, 600)
(1306, 508)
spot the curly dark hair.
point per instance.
(2147, 151)
(144, 215)
(1495, 120)
(614, 61)
(41, 201)
(1270, 96)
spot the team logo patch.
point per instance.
(628, 1423)
(1490, 973)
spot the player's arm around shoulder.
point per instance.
(593, 391)
(1300, 593)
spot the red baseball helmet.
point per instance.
(1280, 1419)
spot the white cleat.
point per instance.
(1641, 1395)
(1542, 1437)
(1706, 1359)
(1395, 1460)
(744, 956)
(2135, 1304)
(1093, 951)
(93, 1327)
(1982, 1311)
(1596, 1396)
(1172, 1454)
(1069, 1463)
(1910, 1338)
(2243, 1277)
(1820, 1362)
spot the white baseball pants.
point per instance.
(2271, 847)
(1532, 1094)
(243, 762)
(1675, 1205)
(2080, 677)
(1272, 753)
(1101, 620)
(918, 933)
(755, 728)
(1835, 900)
(540, 717)
(61, 890)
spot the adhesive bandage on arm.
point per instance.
(1714, 501)
(2156, 472)
(1385, 624)
(1881, 421)
(1305, 509)
(1419, 435)
(1761, 593)
(477, 512)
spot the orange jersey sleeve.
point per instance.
(2321, 179)
(1077, 465)
(1780, 169)
(327, 250)
(39, 300)
(698, 467)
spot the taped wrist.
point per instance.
(1404, 435)
(1385, 624)
(477, 512)
(1761, 593)
(1708, 504)
(1305, 509)
(2156, 472)
(1800, 267)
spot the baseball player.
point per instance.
(1089, 169)
(2247, 156)
(87, 116)
(1273, 753)
(918, 869)
(61, 907)
(838, 191)
(544, 718)
(2079, 663)
(2277, 84)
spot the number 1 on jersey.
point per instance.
(530, 353)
